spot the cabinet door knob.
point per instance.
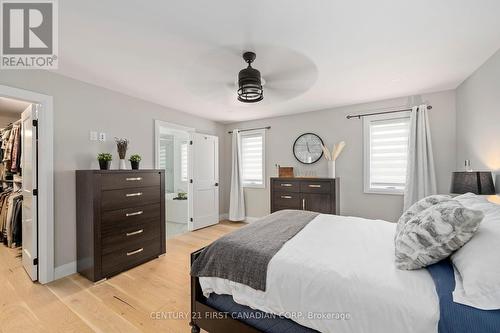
(138, 194)
(133, 178)
(134, 213)
(135, 252)
(140, 231)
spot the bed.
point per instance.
(335, 274)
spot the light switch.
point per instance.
(102, 137)
(93, 136)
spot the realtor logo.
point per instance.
(29, 34)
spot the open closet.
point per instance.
(17, 179)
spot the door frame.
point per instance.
(45, 171)
(158, 125)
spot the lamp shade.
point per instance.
(477, 182)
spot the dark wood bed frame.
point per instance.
(208, 318)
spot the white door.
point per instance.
(29, 212)
(204, 188)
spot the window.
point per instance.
(253, 158)
(385, 153)
(184, 162)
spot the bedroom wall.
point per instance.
(332, 126)
(478, 118)
(78, 108)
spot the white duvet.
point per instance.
(338, 275)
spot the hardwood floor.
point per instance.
(154, 297)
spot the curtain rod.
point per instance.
(429, 107)
(252, 129)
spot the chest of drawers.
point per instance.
(314, 194)
(120, 220)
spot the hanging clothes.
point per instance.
(16, 148)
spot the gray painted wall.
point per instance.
(478, 118)
(332, 126)
(78, 108)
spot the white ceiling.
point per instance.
(185, 54)
(9, 105)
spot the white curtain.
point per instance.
(236, 200)
(420, 172)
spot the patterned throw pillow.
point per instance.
(435, 233)
(417, 207)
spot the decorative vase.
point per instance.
(331, 169)
(134, 165)
(122, 165)
(104, 165)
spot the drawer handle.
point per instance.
(138, 194)
(135, 252)
(286, 185)
(286, 197)
(133, 178)
(140, 231)
(315, 186)
(134, 213)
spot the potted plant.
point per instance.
(121, 146)
(181, 196)
(134, 161)
(104, 160)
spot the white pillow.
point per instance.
(477, 263)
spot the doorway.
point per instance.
(190, 161)
(27, 180)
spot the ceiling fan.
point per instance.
(282, 73)
(249, 82)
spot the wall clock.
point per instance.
(307, 148)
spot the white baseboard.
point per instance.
(65, 270)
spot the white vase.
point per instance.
(122, 165)
(331, 169)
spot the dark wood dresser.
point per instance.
(120, 220)
(314, 194)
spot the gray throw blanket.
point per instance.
(243, 255)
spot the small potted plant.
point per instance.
(104, 160)
(134, 161)
(121, 147)
(181, 196)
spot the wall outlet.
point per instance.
(93, 136)
(102, 137)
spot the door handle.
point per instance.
(304, 204)
(138, 194)
(133, 178)
(140, 231)
(314, 185)
(135, 252)
(134, 213)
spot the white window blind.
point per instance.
(184, 162)
(252, 155)
(386, 152)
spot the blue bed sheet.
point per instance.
(262, 321)
(459, 318)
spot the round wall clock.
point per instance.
(307, 148)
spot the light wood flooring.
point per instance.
(128, 302)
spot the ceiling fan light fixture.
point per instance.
(249, 82)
